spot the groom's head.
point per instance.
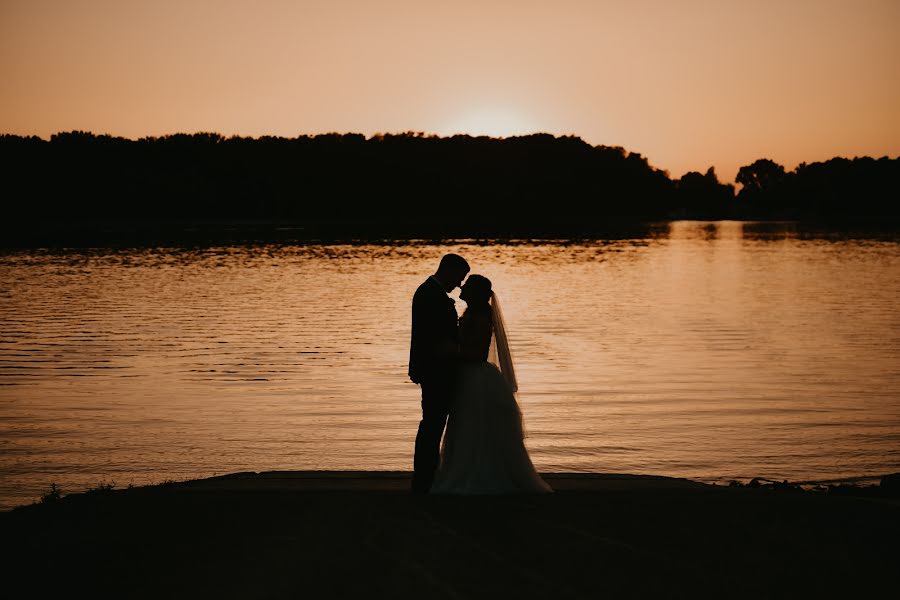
(452, 270)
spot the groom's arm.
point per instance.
(434, 326)
(430, 325)
(424, 350)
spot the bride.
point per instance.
(483, 451)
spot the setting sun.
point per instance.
(492, 121)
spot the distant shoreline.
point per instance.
(413, 183)
(117, 233)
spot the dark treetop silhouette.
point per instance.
(389, 184)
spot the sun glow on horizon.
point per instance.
(494, 122)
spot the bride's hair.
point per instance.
(480, 287)
(479, 292)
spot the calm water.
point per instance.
(707, 352)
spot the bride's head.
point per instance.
(476, 290)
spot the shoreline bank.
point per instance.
(296, 534)
(391, 480)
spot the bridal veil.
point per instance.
(499, 354)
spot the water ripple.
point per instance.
(710, 355)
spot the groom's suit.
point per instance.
(433, 363)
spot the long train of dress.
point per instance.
(483, 451)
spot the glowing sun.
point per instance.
(494, 122)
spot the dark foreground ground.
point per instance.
(360, 535)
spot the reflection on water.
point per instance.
(715, 351)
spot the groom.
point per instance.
(433, 359)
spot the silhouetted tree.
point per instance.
(762, 192)
(404, 184)
(703, 197)
(764, 175)
(841, 189)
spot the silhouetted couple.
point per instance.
(465, 370)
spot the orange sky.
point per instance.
(687, 83)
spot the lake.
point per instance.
(713, 351)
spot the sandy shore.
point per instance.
(360, 534)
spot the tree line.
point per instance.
(410, 182)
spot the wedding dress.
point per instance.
(483, 451)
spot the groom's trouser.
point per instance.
(436, 396)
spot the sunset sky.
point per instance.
(689, 84)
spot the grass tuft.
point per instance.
(53, 495)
